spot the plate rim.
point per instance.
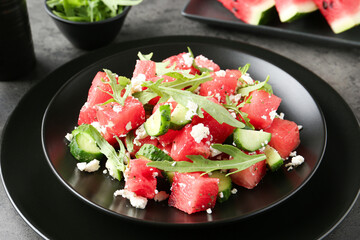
(236, 218)
(322, 234)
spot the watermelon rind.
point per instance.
(293, 12)
(342, 24)
(261, 14)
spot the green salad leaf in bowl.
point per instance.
(89, 10)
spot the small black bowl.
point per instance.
(89, 35)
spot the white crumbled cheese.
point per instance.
(182, 185)
(189, 203)
(161, 196)
(108, 166)
(300, 127)
(235, 98)
(135, 201)
(155, 174)
(117, 108)
(110, 124)
(199, 132)
(136, 83)
(197, 90)
(296, 161)
(272, 114)
(220, 73)
(98, 127)
(209, 211)
(293, 154)
(233, 114)
(214, 152)
(188, 59)
(218, 97)
(234, 191)
(282, 115)
(91, 166)
(140, 134)
(173, 164)
(128, 126)
(246, 77)
(221, 195)
(105, 171)
(69, 137)
(192, 110)
(263, 117)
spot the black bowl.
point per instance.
(89, 35)
(97, 188)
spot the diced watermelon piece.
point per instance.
(168, 137)
(141, 179)
(192, 193)
(182, 61)
(290, 10)
(87, 114)
(203, 62)
(224, 83)
(251, 11)
(285, 136)
(184, 144)
(251, 176)
(218, 131)
(262, 109)
(97, 92)
(341, 15)
(146, 67)
(166, 148)
(118, 120)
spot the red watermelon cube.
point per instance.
(184, 144)
(203, 62)
(262, 108)
(182, 61)
(146, 67)
(224, 83)
(251, 176)
(141, 179)
(192, 193)
(285, 136)
(118, 120)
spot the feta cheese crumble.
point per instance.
(117, 108)
(140, 134)
(135, 201)
(246, 77)
(69, 137)
(128, 126)
(209, 211)
(91, 166)
(214, 152)
(199, 132)
(192, 107)
(296, 161)
(220, 73)
(136, 83)
(188, 59)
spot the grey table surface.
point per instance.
(339, 67)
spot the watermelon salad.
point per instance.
(202, 130)
(341, 15)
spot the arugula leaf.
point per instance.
(117, 87)
(89, 10)
(144, 96)
(215, 110)
(246, 90)
(240, 162)
(244, 69)
(236, 109)
(129, 139)
(145, 57)
(117, 159)
(184, 82)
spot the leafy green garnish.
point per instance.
(236, 109)
(239, 162)
(145, 57)
(89, 10)
(117, 86)
(244, 69)
(246, 90)
(129, 139)
(117, 159)
(215, 110)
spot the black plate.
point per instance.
(312, 28)
(53, 211)
(98, 189)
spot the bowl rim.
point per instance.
(55, 17)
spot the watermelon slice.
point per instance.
(251, 11)
(341, 15)
(290, 10)
(251, 176)
(192, 193)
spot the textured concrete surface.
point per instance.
(337, 66)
